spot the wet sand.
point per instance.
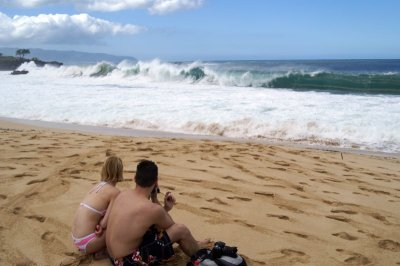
(279, 205)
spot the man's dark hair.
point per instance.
(146, 173)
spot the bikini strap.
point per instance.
(92, 209)
(100, 186)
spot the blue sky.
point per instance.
(207, 29)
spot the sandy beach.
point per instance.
(279, 205)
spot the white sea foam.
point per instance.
(159, 97)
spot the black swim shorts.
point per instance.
(155, 247)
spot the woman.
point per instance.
(91, 217)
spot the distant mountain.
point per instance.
(69, 57)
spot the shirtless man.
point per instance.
(134, 223)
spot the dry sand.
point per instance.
(280, 205)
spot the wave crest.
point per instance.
(216, 74)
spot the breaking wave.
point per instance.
(214, 74)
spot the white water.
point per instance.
(158, 100)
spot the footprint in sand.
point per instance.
(269, 195)
(358, 193)
(291, 252)
(7, 168)
(37, 181)
(374, 190)
(31, 194)
(344, 211)
(333, 180)
(73, 155)
(36, 217)
(221, 189)
(201, 170)
(282, 217)
(47, 236)
(3, 196)
(289, 208)
(296, 234)
(167, 187)
(368, 234)
(345, 235)
(209, 209)
(298, 195)
(383, 179)
(321, 171)
(292, 257)
(218, 201)
(193, 180)
(357, 259)
(338, 218)
(239, 198)
(299, 188)
(98, 164)
(389, 245)
(244, 223)
(379, 217)
(75, 172)
(196, 195)
(277, 168)
(282, 163)
(263, 177)
(228, 177)
(16, 210)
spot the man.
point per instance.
(132, 234)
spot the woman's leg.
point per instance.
(96, 245)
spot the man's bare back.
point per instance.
(130, 218)
(139, 225)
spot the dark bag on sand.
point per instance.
(219, 255)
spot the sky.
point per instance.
(181, 30)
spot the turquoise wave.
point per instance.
(299, 80)
(103, 69)
(339, 83)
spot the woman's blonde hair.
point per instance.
(112, 170)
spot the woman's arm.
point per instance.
(103, 222)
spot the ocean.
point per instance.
(333, 103)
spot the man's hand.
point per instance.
(169, 201)
(153, 197)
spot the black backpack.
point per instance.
(219, 255)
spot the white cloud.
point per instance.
(167, 6)
(60, 29)
(154, 6)
(112, 5)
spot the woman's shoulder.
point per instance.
(112, 190)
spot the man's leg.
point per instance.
(180, 234)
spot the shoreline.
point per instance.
(109, 131)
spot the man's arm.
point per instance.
(162, 218)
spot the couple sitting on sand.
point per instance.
(131, 225)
